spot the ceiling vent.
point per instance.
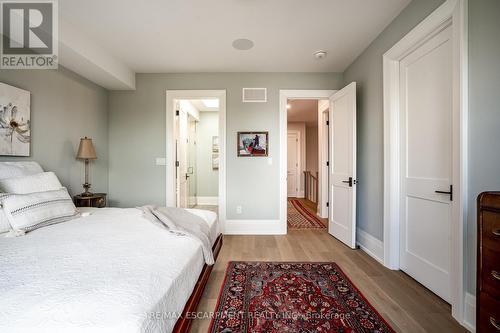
(252, 95)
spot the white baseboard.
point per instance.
(210, 201)
(371, 245)
(254, 227)
(470, 312)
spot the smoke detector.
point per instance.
(320, 54)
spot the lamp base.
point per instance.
(86, 193)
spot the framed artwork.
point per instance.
(215, 161)
(15, 127)
(252, 144)
(215, 153)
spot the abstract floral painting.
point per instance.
(15, 127)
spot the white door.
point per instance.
(192, 162)
(342, 138)
(293, 180)
(426, 151)
(182, 159)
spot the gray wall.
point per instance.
(366, 70)
(207, 179)
(484, 111)
(64, 108)
(137, 136)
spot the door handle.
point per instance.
(187, 176)
(348, 181)
(450, 192)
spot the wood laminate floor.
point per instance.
(405, 304)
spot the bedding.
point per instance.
(181, 222)
(10, 170)
(27, 212)
(110, 271)
(19, 169)
(40, 182)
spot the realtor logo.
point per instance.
(29, 34)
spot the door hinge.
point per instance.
(177, 164)
(176, 112)
(327, 204)
(327, 163)
(327, 123)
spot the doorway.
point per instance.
(195, 156)
(197, 153)
(341, 147)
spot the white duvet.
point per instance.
(112, 271)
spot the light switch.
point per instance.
(161, 161)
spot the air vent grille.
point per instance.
(252, 95)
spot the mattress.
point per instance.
(111, 271)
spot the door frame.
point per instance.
(299, 156)
(284, 96)
(452, 13)
(171, 97)
(323, 151)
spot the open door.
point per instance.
(342, 157)
(182, 175)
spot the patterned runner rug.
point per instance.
(298, 217)
(292, 297)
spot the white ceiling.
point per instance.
(196, 35)
(303, 111)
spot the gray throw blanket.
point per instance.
(181, 222)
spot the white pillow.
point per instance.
(41, 182)
(4, 221)
(19, 169)
(27, 212)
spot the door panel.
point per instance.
(293, 179)
(342, 139)
(183, 184)
(192, 163)
(426, 148)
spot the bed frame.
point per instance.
(184, 322)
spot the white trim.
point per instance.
(171, 96)
(454, 13)
(323, 116)
(284, 96)
(371, 245)
(470, 312)
(207, 201)
(253, 227)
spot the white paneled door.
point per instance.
(342, 157)
(427, 163)
(293, 149)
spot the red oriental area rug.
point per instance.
(298, 217)
(292, 297)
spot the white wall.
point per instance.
(301, 128)
(207, 178)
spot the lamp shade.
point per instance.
(86, 149)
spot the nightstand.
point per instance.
(97, 200)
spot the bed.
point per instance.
(111, 270)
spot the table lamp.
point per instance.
(86, 152)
